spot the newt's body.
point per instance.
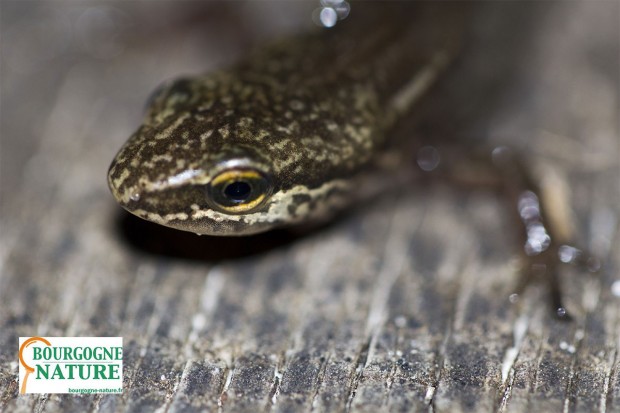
(284, 136)
(291, 134)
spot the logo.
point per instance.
(70, 365)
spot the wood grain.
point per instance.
(401, 305)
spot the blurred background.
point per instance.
(543, 77)
(76, 76)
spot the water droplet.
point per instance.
(568, 254)
(538, 240)
(561, 312)
(500, 155)
(428, 158)
(615, 288)
(328, 17)
(567, 347)
(400, 321)
(580, 334)
(513, 298)
(341, 7)
(529, 207)
(135, 196)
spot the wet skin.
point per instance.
(290, 134)
(287, 135)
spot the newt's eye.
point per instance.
(239, 190)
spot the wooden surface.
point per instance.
(402, 305)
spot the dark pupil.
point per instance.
(238, 191)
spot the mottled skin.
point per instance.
(303, 124)
(307, 114)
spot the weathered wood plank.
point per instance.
(402, 305)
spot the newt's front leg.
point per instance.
(546, 235)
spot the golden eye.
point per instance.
(239, 191)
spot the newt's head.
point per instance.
(221, 158)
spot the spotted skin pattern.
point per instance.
(310, 112)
